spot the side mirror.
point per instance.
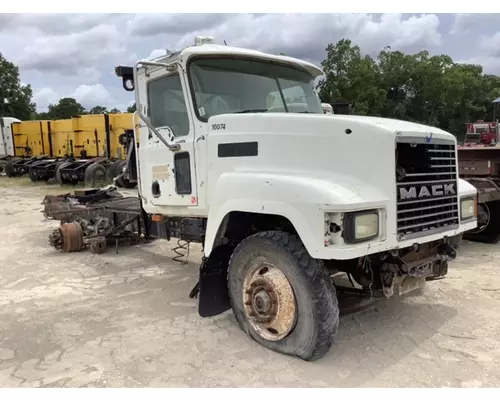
(127, 75)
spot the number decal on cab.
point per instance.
(218, 127)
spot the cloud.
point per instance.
(307, 35)
(490, 46)
(54, 24)
(489, 58)
(45, 96)
(157, 53)
(62, 52)
(76, 54)
(467, 23)
(145, 25)
(87, 95)
(491, 65)
(92, 95)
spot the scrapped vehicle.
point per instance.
(479, 164)
(237, 154)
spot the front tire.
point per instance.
(282, 297)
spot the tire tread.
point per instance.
(324, 293)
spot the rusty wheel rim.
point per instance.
(72, 235)
(269, 302)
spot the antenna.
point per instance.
(225, 43)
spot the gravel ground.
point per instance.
(125, 320)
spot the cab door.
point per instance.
(167, 177)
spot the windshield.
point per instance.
(222, 86)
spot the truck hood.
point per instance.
(353, 152)
(321, 124)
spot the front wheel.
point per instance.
(282, 297)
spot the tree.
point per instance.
(15, 99)
(352, 78)
(98, 110)
(115, 111)
(66, 108)
(429, 89)
(131, 109)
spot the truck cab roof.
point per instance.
(206, 47)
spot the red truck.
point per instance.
(479, 164)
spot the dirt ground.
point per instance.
(125, 320)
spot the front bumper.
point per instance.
(388, 243)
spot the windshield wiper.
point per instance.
(255, 110)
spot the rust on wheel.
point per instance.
(270, 304)
(72, 235)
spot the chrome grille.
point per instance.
(426, 185)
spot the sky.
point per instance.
(74, 55)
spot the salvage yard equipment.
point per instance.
(479, 164)
(85, 148)
(92, 218)
(60, 148)
(7, 146)
(275, 194)
(123, 125)
(31, 138)
(81, 153)
(17, 152)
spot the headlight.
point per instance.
(360, 226)
(468, 208)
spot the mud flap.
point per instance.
(213, 292)
(214, 299)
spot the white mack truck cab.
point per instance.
(236, 153)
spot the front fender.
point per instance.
(465, 188)
(302, 200)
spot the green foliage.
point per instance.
(15, 99)
(432, 90)
(67, 107)
(98, 110)
(131, 109)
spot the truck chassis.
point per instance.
(92, 218)
(17, 166)
(95, 218)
